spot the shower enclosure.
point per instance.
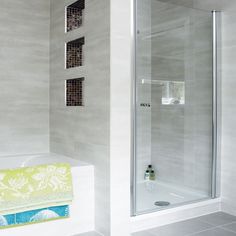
(175, 121)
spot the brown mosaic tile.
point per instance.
(74, 92)
(74, 53)
(74, 15)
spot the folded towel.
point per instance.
(34, 216)
(36, 187)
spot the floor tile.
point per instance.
(88, 234)
(231, 227)
(181, 228)
(215, 232)
(142, 233)
(218, 219)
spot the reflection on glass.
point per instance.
(173, 93)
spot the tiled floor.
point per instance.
(217, 224)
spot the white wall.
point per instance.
(120, 115)
(228, 157)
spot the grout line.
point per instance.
(229, 230)
(214, 227)
(217, 225)
(227, 224)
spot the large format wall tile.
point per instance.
(24, 72)
(181, 134)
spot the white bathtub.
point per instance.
(82, 208)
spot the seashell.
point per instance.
(44, 215)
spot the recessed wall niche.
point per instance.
(74, 53)
(74, 15)
(74, 92)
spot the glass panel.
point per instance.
(173, 105)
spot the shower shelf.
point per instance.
(156, 82)
(160, 82)
(173, 92)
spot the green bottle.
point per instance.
(152, 175)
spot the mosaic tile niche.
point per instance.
(74, 15)
(74, 92)
(74, 53)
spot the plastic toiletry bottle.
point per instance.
(147, 175)
(150, 168)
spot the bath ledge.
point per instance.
(16, 161)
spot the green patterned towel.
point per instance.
(35, 187)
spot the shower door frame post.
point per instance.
(215, 96)
(133, 113)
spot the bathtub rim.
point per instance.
(27, 160)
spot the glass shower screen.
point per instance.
(174, 106)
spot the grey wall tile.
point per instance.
(208, 5)
(181, 134)
(24, 71)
